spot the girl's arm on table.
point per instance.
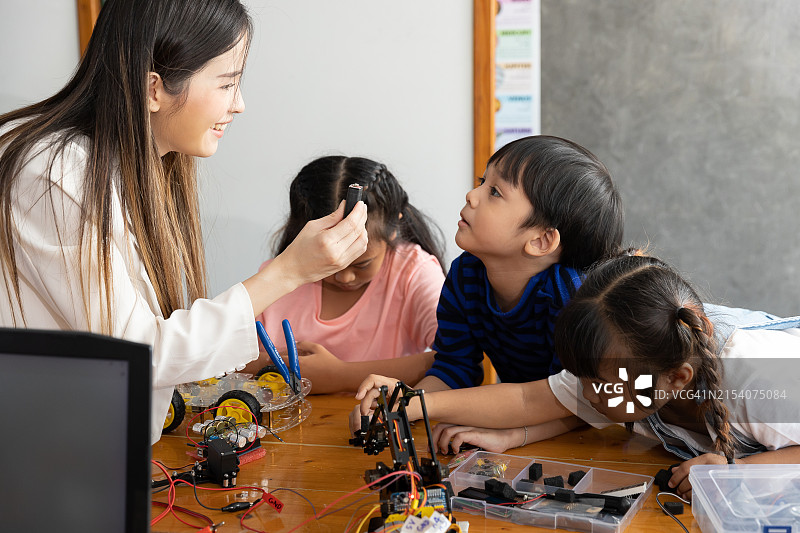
(448, 438)
(330, 374)
(503, 405)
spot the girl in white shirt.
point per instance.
(639, 349)
(98, 196)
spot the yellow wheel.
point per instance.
(235, 404)
(177, 410)
(273, 381)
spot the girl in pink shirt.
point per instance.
(383, 305)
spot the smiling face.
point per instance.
(193, 122)
(491, 221)
(361, 271)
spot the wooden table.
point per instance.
(317, 461)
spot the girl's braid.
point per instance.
(699, 332)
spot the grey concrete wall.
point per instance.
(695, 108)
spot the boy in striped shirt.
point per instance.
(546, 208)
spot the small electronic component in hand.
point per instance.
(354, 191)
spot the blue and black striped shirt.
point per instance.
(519, 343)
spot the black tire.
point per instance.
(177, 411)
(246, 398)
(264, 370)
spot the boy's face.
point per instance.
(491, 220)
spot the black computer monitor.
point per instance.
(75, 438)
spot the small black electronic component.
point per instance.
(575, 477)
(674, 507)
(222, 463)
(499, 488)
(564, 495)
(555, 481)
(354, 192)
(617, 505)
(400, 502)
(662, 478)
(535, 471)
(237, 506)
(474, 493)
(466, 446)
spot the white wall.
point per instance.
(382, 79)
(38, 49)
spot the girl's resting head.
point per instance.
(638, 314)
(570, 190)
(322, 184)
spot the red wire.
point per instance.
(520, 503)
(397, 436)
(189, 512)
(337, 500)
(253, 508)
(170, 505)
(355, 522)
(170, 495)
(241, 520)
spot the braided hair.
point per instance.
(644, 305)
(322, 184)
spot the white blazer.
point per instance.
(212, 337)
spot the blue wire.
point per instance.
(306, 499)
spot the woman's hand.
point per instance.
(322, 248)
(680, 474)
(448, 438)
(326, 245)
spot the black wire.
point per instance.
(669, 513)
(162, 489)
(194, 487)
(306, 499)
(275, 435)
(173, 467)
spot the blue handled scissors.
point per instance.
(291, 377)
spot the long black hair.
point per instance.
(106, 104)
(570, 190)
(322, 184)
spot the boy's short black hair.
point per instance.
(570, 190)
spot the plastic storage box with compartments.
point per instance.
(583, 514)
